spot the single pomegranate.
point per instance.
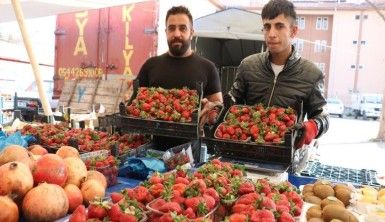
(15, 179)
(12, 153)
(50, 168)
(67, 151)
(77, 170)
(46, 202)
(74, 195)
(92, 189)
(8, 209)
(96, 175)
(37, 149)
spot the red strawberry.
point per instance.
(155, 178)
(193, 202)
(210, 201)
(182, 180)
(238, 218)
(265, 203)
(213, 193)
(128, 218)
(295, 197)
(114, 213)
(140, 193)
(189, 213)
(156, 189)
(116, 197)
(166, 218)
(262, 215)
(242, 208)
(96, 211)
(79, 215)
(248, 199)
(157, 203)
(286, 217)
(236, 172)
(171, 207)
(283, 208)
(245, 188)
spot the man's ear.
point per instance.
(294, 31)
(192, 33)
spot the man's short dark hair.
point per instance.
(179, 10)
(276, 7)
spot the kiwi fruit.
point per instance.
(343, 195)
(322, 191)
(315, 219)
(331, 200)
(314, 211)
(312, 199)
(333, 211)
(307, 188)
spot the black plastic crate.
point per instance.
(268, 157)
(158, 127)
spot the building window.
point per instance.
(322, 23)
(360, 66)
(354, 42)
(320, 46)
(363, 42)
(357, 17)
(301, 22)
(353, 66)
(298, 44)
(365, 16)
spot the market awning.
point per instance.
(41, 8)
(230, 24)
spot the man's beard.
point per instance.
(178, 50)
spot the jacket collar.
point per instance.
(293, 58)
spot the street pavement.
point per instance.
(350, 143)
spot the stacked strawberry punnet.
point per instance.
(256, 123)
(107, 165)
(175, 105)
(88, 140)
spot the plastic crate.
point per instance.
(267, 157)
(110, 172)
(159, 127)
(315, 170)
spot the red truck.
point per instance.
(104, 43)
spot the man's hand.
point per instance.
(307, 132)
(209, 113)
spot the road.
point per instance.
(349, 143)
(347, 131)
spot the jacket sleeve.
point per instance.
(238, 89)
(315, 107)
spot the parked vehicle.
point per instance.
(335, 107)
(367, 105)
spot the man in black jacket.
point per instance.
(280, 77)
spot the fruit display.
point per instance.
(46, 187)
(256, 124)
(56, 136)
(175, 105)
(105, 164)
(330, 201)
(217, 191)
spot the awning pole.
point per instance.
(35, 67)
